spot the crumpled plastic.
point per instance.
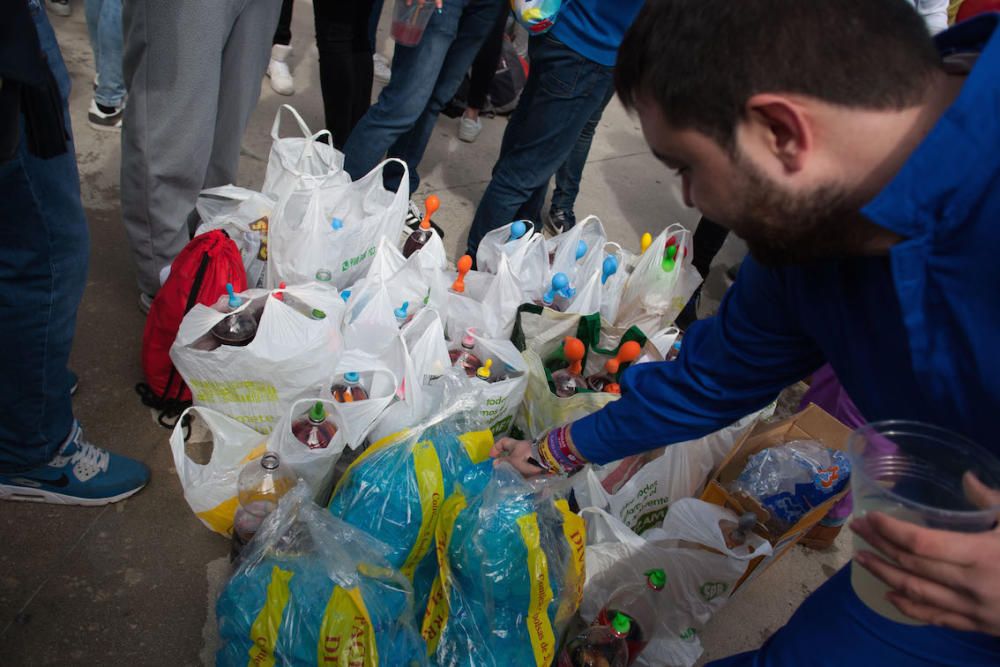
(790, 479)
(315, 590)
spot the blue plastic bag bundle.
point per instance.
(395, 489)
(511, 575)
(790, 479)
(314, 590)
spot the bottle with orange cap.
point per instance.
(422, 234)
(607, 379)
(464, 265)
(567, 381)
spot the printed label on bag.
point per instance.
(436, 615)
(575, 532)
(644, 510)
(430, 487)
(346, 637)
(354, 261)
(264, 631)
(543, 640)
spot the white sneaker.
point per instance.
(105, 120)
(277, 70)
(382, 70)
(469, 129)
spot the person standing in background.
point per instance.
(484, 67)
(278, 71)
(193, 73)
(104, 24)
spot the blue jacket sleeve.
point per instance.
(729, 366)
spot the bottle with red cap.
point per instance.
(599, 645)
(627, 353)
(464, 357)
(640, 601)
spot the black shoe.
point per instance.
(558, 221)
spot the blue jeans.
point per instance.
(833, 628)
(571, 172)
(43, 269)
(563, 93)
(424, 79)
(104, 22)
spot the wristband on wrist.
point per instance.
(555, 450)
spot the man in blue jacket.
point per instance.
(860, 163)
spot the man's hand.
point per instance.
(940, 577)
(518, 454)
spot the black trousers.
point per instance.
(283, 33)
(485, 64)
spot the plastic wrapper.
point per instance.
(315, 590)
(395, 489)
(790, 479)
(511, 575)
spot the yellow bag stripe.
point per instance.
(388, 440)
(438, 609)
(346, 636)
(264, 631)
(477, 444)
(220, 517)
(575, 532)
(430, 486)
(255, 453)
(543, 640)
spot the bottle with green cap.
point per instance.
(641, 602)
(314, 428)
(599, 645)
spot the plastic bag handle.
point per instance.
(276, 126)
(309, 150)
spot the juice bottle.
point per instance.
(349, 389)
(419, 237)
(238, 328)
(402, 314)
(463, 356)
(567, 381)
(260, 485)
(464, 265)
(560, 293)
(314, 428)
(640, 601)
(599, 646)
(627, 353)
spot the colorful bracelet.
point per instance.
(555, 452)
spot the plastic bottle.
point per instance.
(349, 389)
(336, 224)
(313, 428)
(324, 276)
(640, 601)
(645, 242)
(736, 533)
(674, 350)
(608, 268)
(401, 313)
(419, 237)
(464, 265)
(599, 645)
(238, 328)
(560, 292)
(568, 381)
(298, 304)
(483, 372)
(463, 357)
(260, 485)
(517, 230)
(670, 257)
(627, 353)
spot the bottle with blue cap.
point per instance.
(556, 297)
(240, 326)
(402, 314)
(349, 388)
(609, 268)
(336, 224)
(518, 228)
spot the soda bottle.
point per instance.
(567, 381)
(675, 349)
(260, 485)
(297, 304)
(238, 328)
(561, 291)
(422, 234)
(349, 389)
(599, 645)
(463, 357)
(313, 428)
(640, 602)
(483, 372)
(517, 229)
(627, 353)
(736, 533)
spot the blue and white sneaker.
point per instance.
(80, 474)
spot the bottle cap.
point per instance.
(401, 311)
(337, 223)
(431, 205)
(324, 276)
(468, 340)
(317, 413)
(621, 624)
(352, 378)
(345, 295)
(234, 301)
(318, 314)
(609, 268)
(647, 240)
(613, 388)
(483, 372)
(517, 230)
(581, 249)
(656, 579)
(559, 282)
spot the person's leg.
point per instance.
(244, 59)
(335, 39)
(172, 64)
(373, 18)
(484, 67)
(362, 64)
(477, 19)
(283, 33)
(566, 91)
(833, 628)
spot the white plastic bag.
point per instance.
(380, 379)
(244, 215)
(315, 467)
(699, 581)
(489, 306)
(500, 401)
(654, 297)
(292, 356)
(304, 162)
(564, 248)
(338, 231)
(612, 288)
(527, 256)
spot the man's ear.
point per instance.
(780, 126)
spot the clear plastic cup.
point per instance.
(410, 20)
(914, 472)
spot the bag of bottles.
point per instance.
(578, 252)
(616, 267)
(511, 574)
(489, 303)
(252, 355)
(244, 215)
(302, 163)
(377, 376)
(313, 460)
(703, 549)
(313, 590)
(395, 489)
(524, 248)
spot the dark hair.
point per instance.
(701, 60)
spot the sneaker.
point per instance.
(80, 474)
(382, 71)
(101, 117)
(145, 302)
(469, 129)
(59, 7)
(557, 221)
(277, 70)
(414, 214)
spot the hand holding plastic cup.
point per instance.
(409, 20)
(916, 473)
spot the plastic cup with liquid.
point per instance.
(409, 20)
(915, 472)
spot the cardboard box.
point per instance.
(813, 423)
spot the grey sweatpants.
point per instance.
(193, 71)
